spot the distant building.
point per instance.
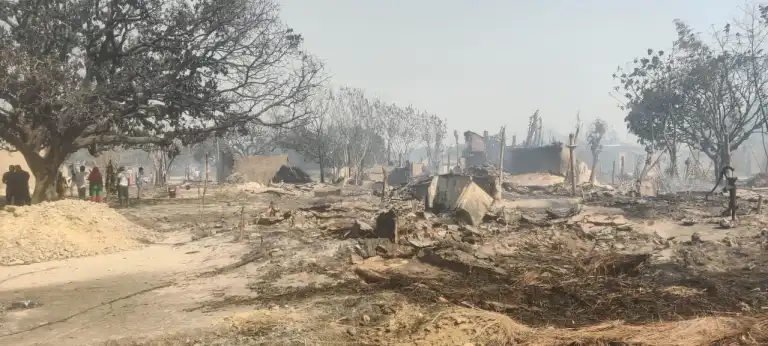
(474, 149)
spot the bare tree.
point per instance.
(255, 139)
(533, 137)
(314, 137)
(355, 119)
(162, 157)
(392, 120)
(409, 132)
(594, 138)
(578, 127)
(433, 132)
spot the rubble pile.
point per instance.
(759, 180)
(234, 190)
(542, 268)
(564, 263)
(291, 175)
(484, 176)
(553, 274)
(237, 178)
(65, 229)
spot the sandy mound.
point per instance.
(65, 229)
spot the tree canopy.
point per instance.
(705, 93)
(94, 73)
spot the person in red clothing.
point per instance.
(96, 183)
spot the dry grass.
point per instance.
(488, 328)
(695, 332)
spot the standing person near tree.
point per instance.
(96, 183)
(61, 184)
(72, 174)
(139, 181)
(22, 195)
(11, 184)
(110, 186)
(79, 180)
(123, 181)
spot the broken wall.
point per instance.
(375, 173)
(260, 169)
(582, 172)
(458, 193)
(552, 159)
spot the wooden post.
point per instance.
(732, 194)
(458, 155)
(613, 174)
(384, 183)
(502, 144)
(621, 167)
(397, 231)
(449, 159)
(205, 189)
(242, 222)
(571, 147)
(759, 204)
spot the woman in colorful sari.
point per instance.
(96, 183)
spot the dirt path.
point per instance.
(161, 289)
(130, 293)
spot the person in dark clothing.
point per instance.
(8, 180)
(110, 182)
(22, 195)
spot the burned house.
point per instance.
(474, 149)
(553, 159)
(485, 150)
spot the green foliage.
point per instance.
(706, 96)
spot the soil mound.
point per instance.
(65, 229)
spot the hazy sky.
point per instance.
(485, 63)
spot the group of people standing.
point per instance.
(16, 182)
(89, 184)
(97, 185)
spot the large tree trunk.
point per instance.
(673, 162)
(593, 173)
(725, 160)
(348, 162)
(45, 169)
(389, 152)
(721, 159)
